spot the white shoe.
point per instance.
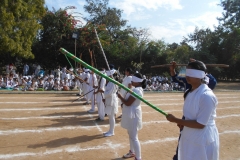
(90, 111)
(108, 134)
(129, 155)
(105, 132)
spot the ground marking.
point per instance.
(77, 148)
(38, 109)
(54, 129)
(76, 115)
(227, 116)
(109, 143)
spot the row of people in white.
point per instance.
(107, 103)
(160, 86)
(28, 83)
(199, 124)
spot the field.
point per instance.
(50, 126)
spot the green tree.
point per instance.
(19, 24)
(89, 43)
(204, 40)
(231, 15)
(154, 54)
(101, 13)
(58, 27)
(123, 44)
(229, 32)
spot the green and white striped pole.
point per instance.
(65, 52)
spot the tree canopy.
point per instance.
(28, 30)
(19, 25)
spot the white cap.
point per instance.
(86, 70)
(111, 72)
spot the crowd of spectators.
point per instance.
(161, 83)
(60, 79)
(57, 80)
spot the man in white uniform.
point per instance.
(100, 96)
(79, 83)
(93, 84)
(111, 103)
(86, 78)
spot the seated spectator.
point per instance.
(73, 84)
(61, 84)
(15, 84)
(4, 83)
(34, 85)
(48, 85)
(56, 86)
(40, 83)
(148, 87)
(24, 83)
(65, 84)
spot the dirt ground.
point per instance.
(50, 126)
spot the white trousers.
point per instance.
(134, 143)
(101, 109)
(93, 98)
(111, 122)
(80, 88)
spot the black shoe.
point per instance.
(98, 119)
(78, 94)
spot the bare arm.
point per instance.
(127, 102)
(187, 123)
(130, 85)
(172, 68)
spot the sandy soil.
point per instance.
(50, 126)
(223, 86)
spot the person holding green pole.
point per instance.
(111, 103)
(199, 137)
(132, 115)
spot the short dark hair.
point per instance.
(128, 69)
(198, 65)
(111, 66)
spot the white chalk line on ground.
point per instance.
(177, 110)
(38, 109)
(105, 146)
(75, 115)
(72, 108)
(80, 127)
(153, 99)
(54, 129)
(43, 117)
(162, 104)
(181, 99)
(146, 95)
(227, 116)
(108, 142)
(176, 104)
(38, 102)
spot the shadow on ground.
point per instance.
(66, 141)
